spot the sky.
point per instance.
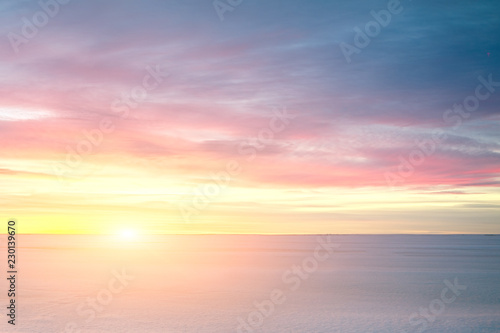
(250, 116)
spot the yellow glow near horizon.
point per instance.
(128, 234)
(129, 216)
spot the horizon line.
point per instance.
(258, 234)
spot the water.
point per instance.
(226, 283)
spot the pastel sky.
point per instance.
(160, 117)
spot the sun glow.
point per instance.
(128, 234)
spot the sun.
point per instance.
(128, 234)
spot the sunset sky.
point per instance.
(159, 117)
